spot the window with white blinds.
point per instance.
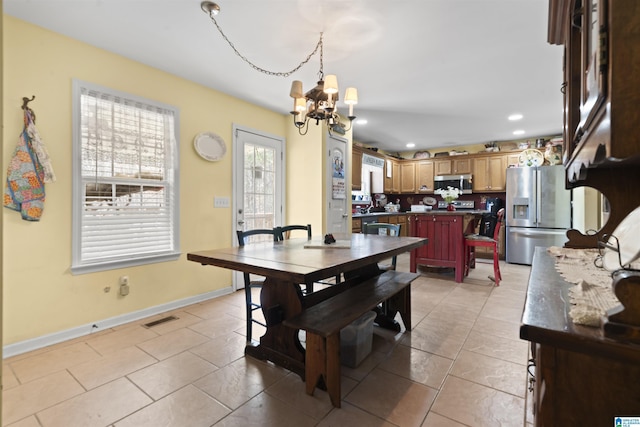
(125, 169)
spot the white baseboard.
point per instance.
(100, 325)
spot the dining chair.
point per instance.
(385, 229)
(284, 232)
(472, 241)
(249, 284)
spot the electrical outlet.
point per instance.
(221, 202)
(124, 285)
(124, 280)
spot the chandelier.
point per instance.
(319, 103)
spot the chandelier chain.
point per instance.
(268, 72)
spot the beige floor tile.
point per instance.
(27, 399)
(52, 361)
(443, 340)
(393, 398)
(121, 338)
(496, 327)
(496, 373)
(9, 379)
(497, 309)
(221, 325)
(435, 420)
(350, 416)
(213, 308)
(512, 350)
(99, 407)
(240, 381)
(477, 405)
(291, 390)
(110, 367)
(31, 421)
(222, 350)
(365, 367)
(266, 411)
(171, 374)
(417, 365)
(185, 407)
(172, 343)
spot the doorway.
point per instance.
(258, 184)
(337, 191)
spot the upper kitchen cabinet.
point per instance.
(392, 176)
(356, 168)
(453, 166)
(602, 81)
(489, 173)
(408, 177)
(424, 176)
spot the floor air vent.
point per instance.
(160, 321)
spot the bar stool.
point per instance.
(471, 241)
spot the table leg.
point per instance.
(280, 344)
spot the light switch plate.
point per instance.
(220, 202)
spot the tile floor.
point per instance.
(462, 365)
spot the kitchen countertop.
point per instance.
(434, 211)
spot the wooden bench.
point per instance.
(323, 322)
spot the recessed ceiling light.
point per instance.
(518, 132)
(515, 117)
(361, 121)
(410, 145)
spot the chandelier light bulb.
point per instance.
(331, 84)
(351, 98)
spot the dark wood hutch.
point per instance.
(583, 375)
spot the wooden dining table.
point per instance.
(288, 264)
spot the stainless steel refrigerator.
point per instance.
(538, 211)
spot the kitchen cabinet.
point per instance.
(424, 176)
(356, 168)
(489, 173)
(454, 166)
(401, 220)
(408, 177)
(446, 241)
(356, 225)
(395, 187)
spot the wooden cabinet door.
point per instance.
(356, 169)
(388, 176)
(489, 173)
(395, 179)
(407, 177)
(424, 176)
(442, 167)
(444, 233)
(497, 172)
(461, 166)
(480, 175)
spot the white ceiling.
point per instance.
(432, 72)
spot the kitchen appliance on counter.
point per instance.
(538, 211)
(458, 204)
(461, 182)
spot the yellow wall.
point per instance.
(41, 296)
(304, 177)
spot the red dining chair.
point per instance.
(472, 241)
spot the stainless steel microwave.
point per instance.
(461, 182)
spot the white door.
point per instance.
(337, 191)
(258, 183)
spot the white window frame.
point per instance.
(84, 257)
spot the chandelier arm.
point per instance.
(262, 70)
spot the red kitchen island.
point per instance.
(445, 231)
